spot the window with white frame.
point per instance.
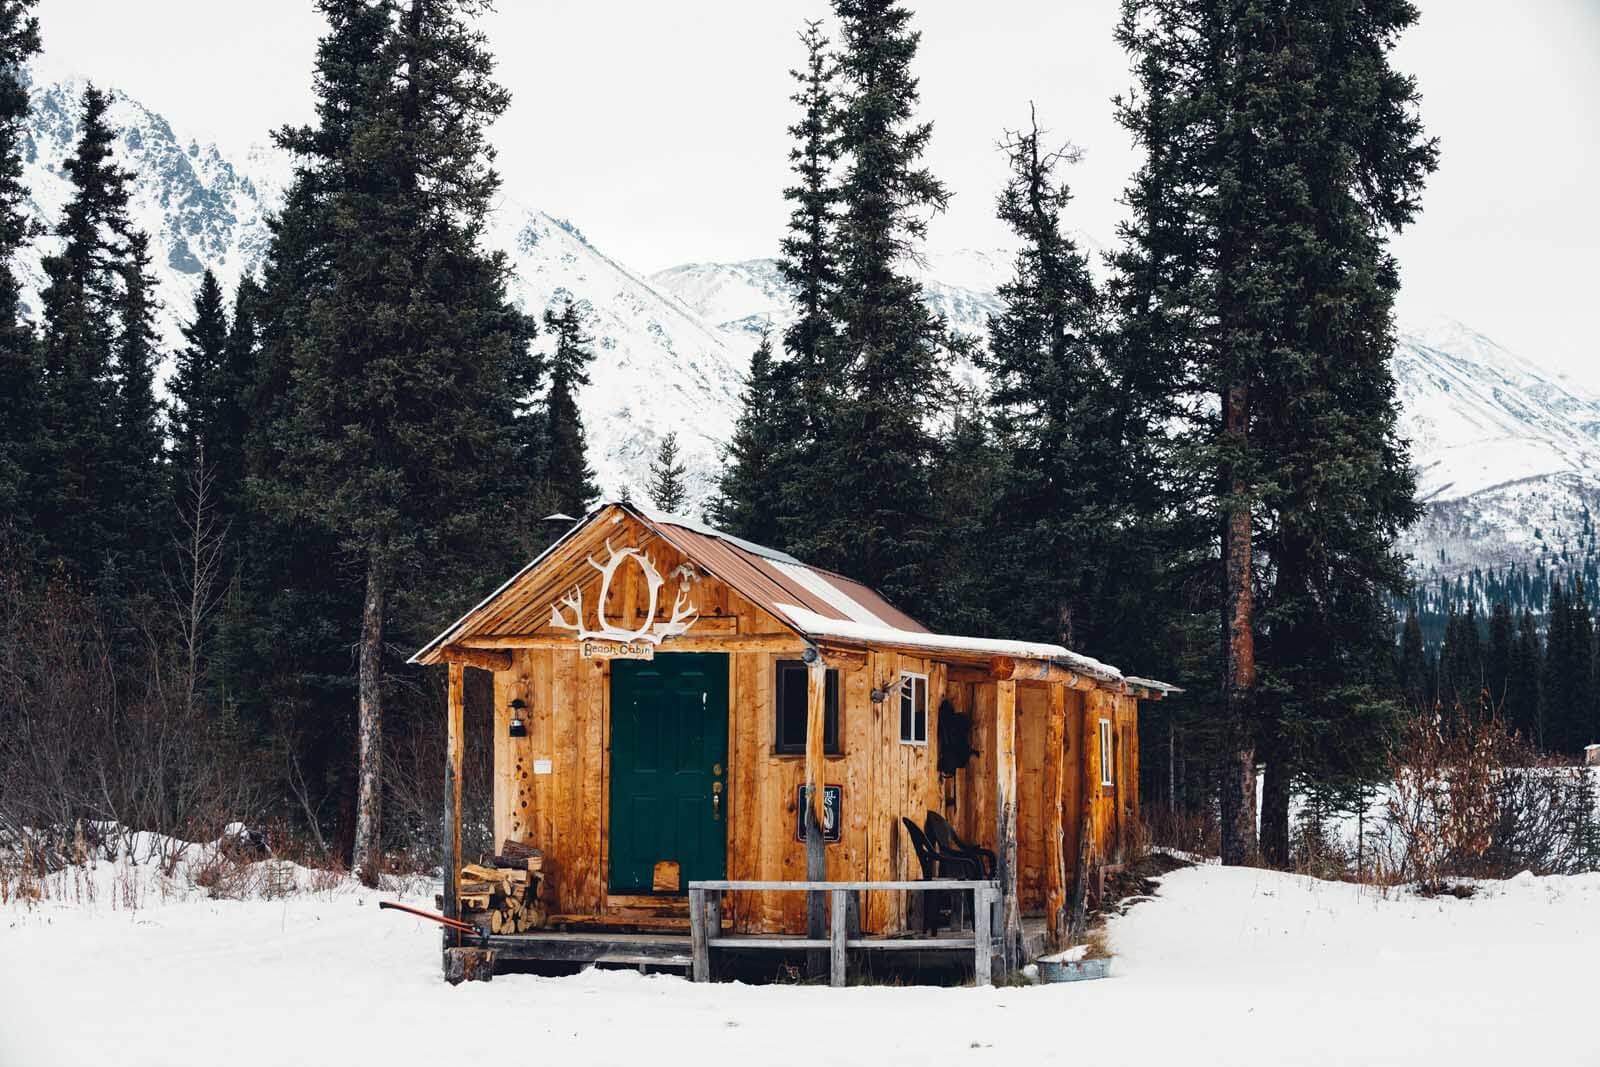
(1107, 770)
(913, 708)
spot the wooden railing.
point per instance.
(705, 923)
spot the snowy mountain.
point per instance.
(1508, 453)
(200, 209)
(660, 367)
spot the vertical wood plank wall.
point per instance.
(564, 812)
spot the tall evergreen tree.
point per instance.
(748, 501)
(805, 385)
(21, 374)
(233, 394)
(667, 489)
(1281, 151)
(101, 457)
(1497, 660)
(138, 494)
(568, 479)
(1522, 681)
(198, 382)
(399, 478)
(287, 640)
(1050, 401)
(876, 522)
(1414, 663)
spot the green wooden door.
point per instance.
(669, 762)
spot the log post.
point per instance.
(699, 944)
(1055, 862)
(838, 952)
(982, 945)
(816, 856)
(454, 729)
(1005, 808)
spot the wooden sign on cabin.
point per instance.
(595, 648)
(832, 811)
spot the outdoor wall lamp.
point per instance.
(519, 725)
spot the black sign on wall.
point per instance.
(832, 812)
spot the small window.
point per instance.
(791, 703)
(913, 708)
(1107, 770)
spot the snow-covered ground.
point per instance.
(1226, 966)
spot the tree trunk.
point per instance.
(369, 790)
(1275, 813)
(1239, 650)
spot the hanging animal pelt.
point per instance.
(955, 739)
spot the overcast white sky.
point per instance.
(658, 127)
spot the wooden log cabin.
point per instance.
(674, 704)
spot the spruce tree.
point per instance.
(94, 365)
(22, 448)
(138, 494)
(805, 385)
(413, 488)
(1522, 681)
(1413, 663)
(1281, 152)
(748, 499)
(198, 382)
(875, 523)
(1051, 401)
(233, 393)
(1497, 660)
(291, 624)
(667, 489)
(568, 480)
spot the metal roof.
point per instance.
(817, 604)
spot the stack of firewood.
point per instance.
(500, 893)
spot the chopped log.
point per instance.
(468, 965)
(517, 854)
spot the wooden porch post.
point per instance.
(1005, 839)
(1055, 861)
(452, 793)
(816, 857)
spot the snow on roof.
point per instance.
(831, 594)
(816, 625)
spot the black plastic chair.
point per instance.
(946, 841)
(938, 864)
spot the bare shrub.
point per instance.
(1193, 832)
(1472, 800)
(113, 726)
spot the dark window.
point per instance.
(791, 702)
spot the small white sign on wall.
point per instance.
(541, 766)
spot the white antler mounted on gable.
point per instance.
(683, 613)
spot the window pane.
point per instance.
(830, 718)
(791, 707)
(922, 723)
(905, 714)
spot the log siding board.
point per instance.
(1055, 756)
(1006, 820)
